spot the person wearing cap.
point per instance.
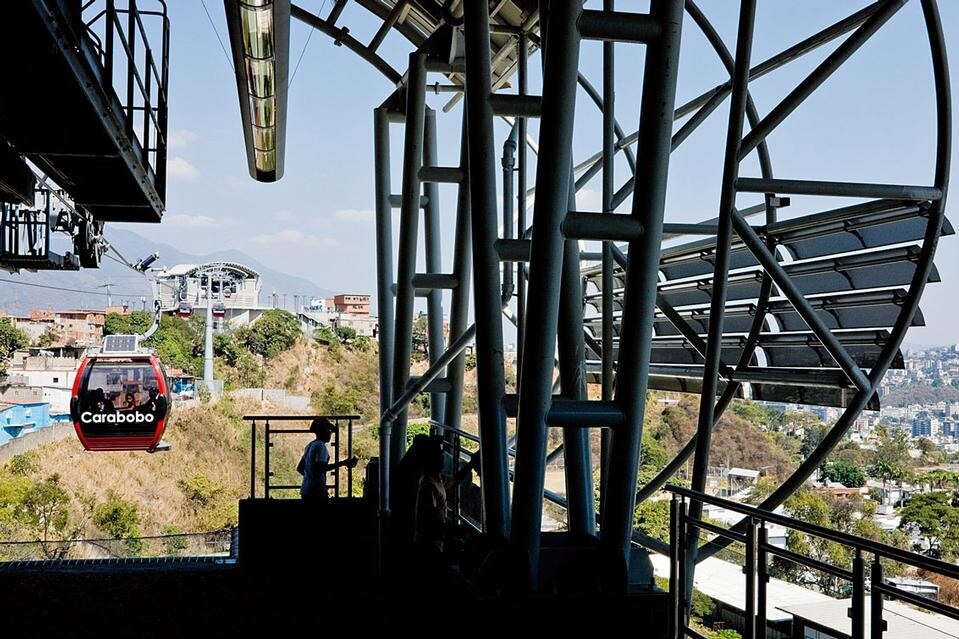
(315, 462)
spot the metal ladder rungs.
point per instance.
(442, 174)
(438, 385)
(569, 413)
(508, 104)
(435, 281)
(838, 189)
(513, 250)
(618, 26)
(396, 201)
(615, 227)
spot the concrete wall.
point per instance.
(275, 395)
(30, 441)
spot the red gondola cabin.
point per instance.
(120, 402)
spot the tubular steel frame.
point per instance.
(491, 52)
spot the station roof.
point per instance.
(726, 583)
(901, 620)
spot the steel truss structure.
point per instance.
(807, 309)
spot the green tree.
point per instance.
(819, 508)
(812, 436)
(331, 400)
(346, 334)
(939, 479)
(654, 459)
(45, 510)
(273, 333)
(11, 339)
(652, 518)
(119, 519)
(24, 464)
(179, 343)
(324, 335)
(175, 542)
(212, 506)
(753, 412)
(891, 458)
(135, 323)
(936, 520)
(846, 474)
(762, 489)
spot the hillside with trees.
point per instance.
(58, 493)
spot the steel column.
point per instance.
(487, 310)
(581, 513)
(857, 610)
(409, 222)
(521, 181)
(877, 626)
(546, 265)
(434, 260)
(460, 300)
(727, 205)
(649, 199)
(384, 294)
(609, 188)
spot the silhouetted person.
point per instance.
(315, 462)
(429, 533)
(406, 481)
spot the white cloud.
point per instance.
(184, 221)
(354, 215)
(589, 200)
(180, 168)
(293, 237)
(181, 138)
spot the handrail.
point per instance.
(268, 432)
(146, 74)
(891, 552)
(758, 550)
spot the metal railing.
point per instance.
(453, 443)
(119, 38)
(269, 432)
(754, 536)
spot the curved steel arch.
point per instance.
(762, 240)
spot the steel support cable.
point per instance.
(819, 75)
(342, 36)
(709, 100)
(727, 216)
(762, 302)
(765, 168)
(924, 265)
(798, 50)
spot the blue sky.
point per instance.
(871, 122)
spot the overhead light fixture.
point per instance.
(260, 40)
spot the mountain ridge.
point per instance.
(115, 282)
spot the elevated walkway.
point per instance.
(301, 568)
(67, 116)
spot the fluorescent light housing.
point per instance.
(260, 41)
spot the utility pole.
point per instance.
(208, 341)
